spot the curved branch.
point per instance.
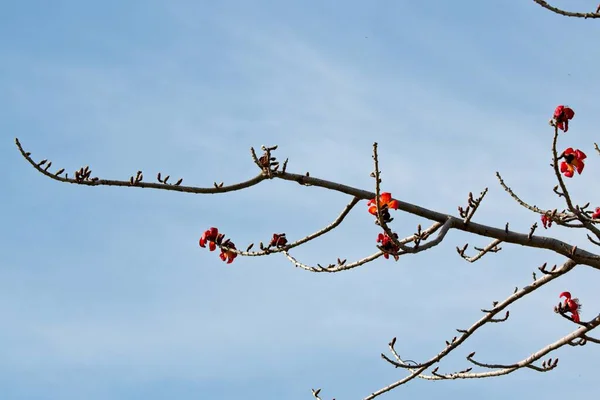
(340, 266)
(438, 239)
(517, 198)
(568, 13)
(490, 248)
(177, 187)
(305, 239)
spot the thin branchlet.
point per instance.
(559, 11)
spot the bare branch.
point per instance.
(82, 177)
(568, 13)
(305, 239)
(517, 198)
(333, 267)
(418, 369)
(490, 248)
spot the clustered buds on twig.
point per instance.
(473, 203)
(166, 180)
(83, 174)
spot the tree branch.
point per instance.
(568, 13)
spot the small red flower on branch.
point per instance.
(562, 115)
(212, 236)
(279, 240)
(388, 245)
(573, 162)
(546, 221)
(385, 203)
(596, 214)
(214, 239)
(571, 305)
(227, 254)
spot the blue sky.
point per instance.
(104, 292)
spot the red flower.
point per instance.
(212, 236)
(214, 239)
(279, 240)
(573, 162)
(385, 202)
(228, 254)
(388, 245)
(596, 215)
(562, 115)
(571, 305)
(546, 221)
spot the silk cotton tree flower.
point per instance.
(385, 203)
(596, 214)
(546, 221)
(388, 245)
(228, 253)
(278, 240)
(562, 115)
(573, 162)
(213, 238)
(571, 305)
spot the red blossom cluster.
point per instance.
(388, 245)
(278, 240)
(214, 239)
(385, 203)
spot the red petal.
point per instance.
(212, 246)
(393, 204)
(564, 167)
(202, 242)
(565, 294)
(385, 198)
(580, 155)
(568, 112)
(558, 111)
(373, 210)
(579, 167)
(569, 151)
